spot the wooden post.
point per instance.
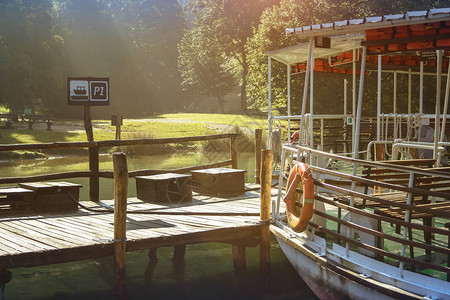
(264, 244)
(379, 151)
(94, 179)
(94, 184)
(151, 264)
(118, 126)
(233, 152)
(5, 277)
(178, 261)
(258, 147)
(88, 123)
(239, 259)
(120, 215)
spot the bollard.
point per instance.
(120, 215)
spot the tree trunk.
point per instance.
(244, 81)
(220, 101)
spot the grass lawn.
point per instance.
(161, 126)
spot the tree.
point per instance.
(290, 14)
(134, 43)
(202, 65)
(30, 52)
(233, 22)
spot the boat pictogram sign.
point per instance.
(88, 91)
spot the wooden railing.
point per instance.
(94, 172)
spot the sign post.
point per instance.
(89, 91)
(117, 120)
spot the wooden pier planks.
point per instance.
(54, 238)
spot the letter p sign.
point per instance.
(99, 90)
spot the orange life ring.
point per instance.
(299, 172)
(295, 136)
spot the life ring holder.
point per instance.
(299, 173)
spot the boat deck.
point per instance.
(54, 238)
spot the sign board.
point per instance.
(116, 120)
(87, 91)
(349, 121)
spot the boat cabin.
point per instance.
(415, 45)
(372, 219)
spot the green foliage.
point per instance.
(134, 43)
(150, 54)
(202, 63)
(30, 54)
(328, 88)
(224, 27)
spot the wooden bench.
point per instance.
(8, 119)
(438, 209)
(39, 197)
(53, 196)
(16, 200)
(167, 188)
(31, 119)
(395, 177)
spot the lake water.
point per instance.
(208, 271)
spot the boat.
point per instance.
(379, 184)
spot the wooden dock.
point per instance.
(54, 238)
(111, 228)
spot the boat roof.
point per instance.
(299, 53)
(360, 25)
(348, 35)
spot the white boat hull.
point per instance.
(325, 283)
(331, 278)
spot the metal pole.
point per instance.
(311, 98)
(444, 112)
(345, 113)
(379, 99)
(360, 99)
(345, 96)
(438, 105)
(269, 101)
(289, 98)
(354, 97)
(357, 124)
(305, 89)
(409, 92)
(394, 110)
(407, 220)
(421, 88)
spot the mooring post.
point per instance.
(94, 179)
(258, 147)
(120, 215)
(5, 277)
(264, 244)
(233, 152)
(179, 252)
(239, 259)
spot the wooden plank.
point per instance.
(86, 235)
(216, 235)
(55, 256)
(47, 227)
(55, 243)
(23, 241)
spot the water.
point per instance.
(208, 271)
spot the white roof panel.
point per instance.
(299, 53)
(360, 25)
